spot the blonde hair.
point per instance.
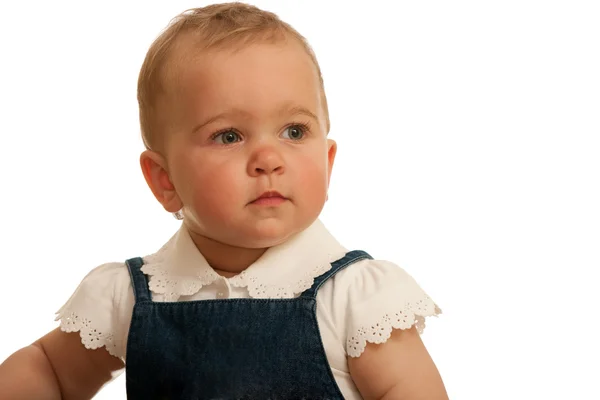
(213, 26)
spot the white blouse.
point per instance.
(366, 294)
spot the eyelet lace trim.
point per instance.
(260, 290)
(91, 337)
(379, 331)
(164, 281)
(171, 286)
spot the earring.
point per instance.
(178, 215)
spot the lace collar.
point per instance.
(179, 269)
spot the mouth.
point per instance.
(269, 198)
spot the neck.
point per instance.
(226, 260)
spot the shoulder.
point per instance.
(372, 272)
(368, 277)
(104, 281)
(100, 307)
(106, 274)
(370, 298)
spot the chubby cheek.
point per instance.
(212, 188)
(311, 179)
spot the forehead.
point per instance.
(255, 78)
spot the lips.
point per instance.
(269, 198)
(269, 194)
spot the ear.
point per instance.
(331, 152)
(154, 168)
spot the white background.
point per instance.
(469, 154)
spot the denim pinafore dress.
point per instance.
(228, 349)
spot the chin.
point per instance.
(266, 239)
(268, 235)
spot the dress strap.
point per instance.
(139, 282)
(350, 258)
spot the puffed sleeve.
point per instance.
(381, 297)
(100, 309)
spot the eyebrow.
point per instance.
(288, 109)
(295, 110)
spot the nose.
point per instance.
(265, 161)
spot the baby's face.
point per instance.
(249, 123)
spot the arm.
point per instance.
(57, 366)
(399, 369)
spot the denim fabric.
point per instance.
(228, 349)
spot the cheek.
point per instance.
(311, 172)
(215, 186)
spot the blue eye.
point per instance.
(227, 137)
(295, 132)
